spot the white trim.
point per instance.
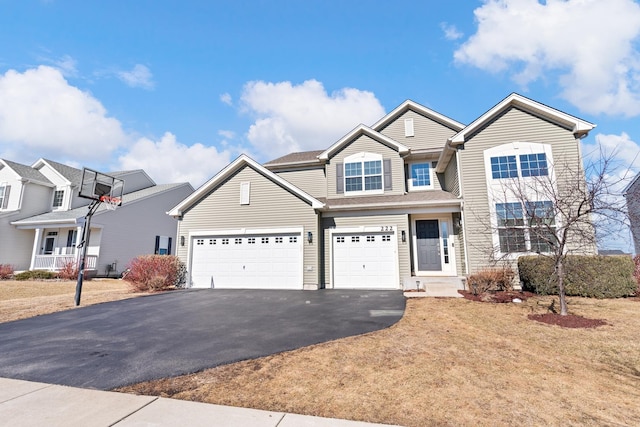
(446, 269)
(364, 229)
(410, 105)
(363, 130)
(410, 185)
(578, 126)
(242, 160)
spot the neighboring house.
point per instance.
(403, 203)
(632, 195)
(41, 218)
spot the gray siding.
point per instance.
(452, 183)
(312, 181)
(429, 134)
(633, 206)
(513, 125)
(144, 219)
(366, 144)
(401, 221)
(270, 206)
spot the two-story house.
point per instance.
(399, 204)
(41, 218)
(632, 196)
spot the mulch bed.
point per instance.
(568, 321)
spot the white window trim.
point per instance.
(361, 158)
(410, 185)
(498, 189)
(3, 187)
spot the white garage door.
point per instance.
(365, 260)
(266, 261)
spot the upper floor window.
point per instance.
(58, 197)
(530, 165)
(420, 176)
(504, 167)
(363, 172)
(533, 164)
(4, 196)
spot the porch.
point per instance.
(59, 262)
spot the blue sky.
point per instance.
(180, 88)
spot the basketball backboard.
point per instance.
(98, 186)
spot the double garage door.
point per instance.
(365, 260)
(264, 261)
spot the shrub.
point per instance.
(36, 275)
(6, 271)
(155, 273)
(491, 279)
(636, 273)
(586, 276)
(69, 271)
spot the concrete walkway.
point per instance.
(24, 403)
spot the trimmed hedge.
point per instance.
(585, 276)
(36, 275)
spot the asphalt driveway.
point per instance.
(118, 343)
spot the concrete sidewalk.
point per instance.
(24, 403)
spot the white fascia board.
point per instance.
(363, 130)
(45, 224)
(392, 205)
(420, 109)
(42, 162)
(242, 160)
(577, 125)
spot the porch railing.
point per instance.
(57, 262)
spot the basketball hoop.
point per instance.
(111, 203)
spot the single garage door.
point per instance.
(265, 261)
(365, 260)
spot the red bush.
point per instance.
(6, 271)
(636, 273)
(154, 273)
(69, 271)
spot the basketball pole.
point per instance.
(84, 242)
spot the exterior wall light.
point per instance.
(181, 240)
(309, 237)
(404, 236)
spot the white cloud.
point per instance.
(290, 118)
(450, 31)
(41, 115)
(140, 76)
(591, 43)
(168, 160)
(226, 99)
(227, 134)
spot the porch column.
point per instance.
(36, 247)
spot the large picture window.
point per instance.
(528, 227)
(530, 165)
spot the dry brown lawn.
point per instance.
(22, 299)
(448, 362)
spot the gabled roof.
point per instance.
(358, 131)
(420, 109)
(71, 174)
(242, 161)
(578, 126)
(27, 172)
(628, 187)
(75, 215)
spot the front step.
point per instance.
(434, 287)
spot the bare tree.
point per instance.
(557, 210)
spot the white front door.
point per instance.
(264, 261)
(365, 260)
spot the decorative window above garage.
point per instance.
(363, 173)
(245, 192)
